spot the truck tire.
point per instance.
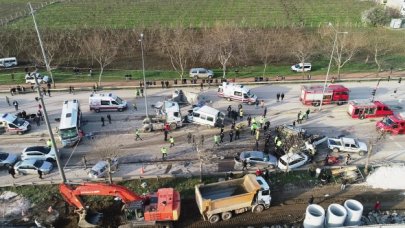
(226, 215)
(336, 150)
(361, 153)
(214, 218)
(258, 208)
(229, 99)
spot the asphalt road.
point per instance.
(331, 121)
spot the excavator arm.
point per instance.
(72, 193)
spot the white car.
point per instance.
(100, 169)
(298, 67)
(39, 153)
(29, 78)
(292, 160)
(31, 167)
(201, 73)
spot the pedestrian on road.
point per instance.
(278, 97)
(167, 84)
(244, 165)
(311, 200)
(249, 120)
(109, 118)
(261, 122)
(70, 89)
(102, 121)
(8, 101)
(216, 140)
(234, 115)
(202, 139)
(166, 133)
(134, 106)
(299, 117)
(262, 103)
(229, 109)
(39, 106)
(40, 174)
(164, 153)
(282, 96)
(348, 158)
(84, 162)
(49, 92)
(257, 103)
(137, 135)
(221, 136)
(163, 84)
(189, 136)
(231, 136)
(15, 103)
(201, 86)
(293, 123)
(257, 135)
(171, 140)
(241, 114)
(307, 113)
(11, 171)
(343, 186)
(141, 92)
(222, 129)
(377, 207)
(37, 120)
(233, 125)
(237, 133)
(265, 112)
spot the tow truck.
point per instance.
(312, 95)
(363, 109)
(232, 91)
(161, 207)
(393, 124)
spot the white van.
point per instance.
(8, 62)
(11, 123)
(206, 116)
(106, 102)
(298, 67)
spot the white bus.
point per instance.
(8, 62)
(70, 123)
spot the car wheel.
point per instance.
(336, 150)
(214, 219)
(258, 208)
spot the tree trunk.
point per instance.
(101, 73)
(338, 71)
(224, 70)
(264, 70)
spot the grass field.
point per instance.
(194, 13)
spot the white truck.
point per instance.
(350, 145)
(238, 92)
(106, 102)
(166, 112)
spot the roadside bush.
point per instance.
(379, 15)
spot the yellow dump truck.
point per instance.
(225, 198)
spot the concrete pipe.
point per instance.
(314, 217)
(354, 212)
(336, 215)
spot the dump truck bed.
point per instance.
(226, 195)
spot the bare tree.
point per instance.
(103, 46)
(303, 46)
(177, 44)
(380, 46)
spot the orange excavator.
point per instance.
(161, 207)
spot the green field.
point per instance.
(193, 13)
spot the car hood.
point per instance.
(46, 167)
(362, 146)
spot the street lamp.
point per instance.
(144, 79)
(330, 62)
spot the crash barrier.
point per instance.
(354, 212)
(337, 215)
(314, 216)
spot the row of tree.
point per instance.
(182, 48)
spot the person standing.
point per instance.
(44, 91)
(134, 106)
(8, 101)
(137, 135)
(109, 118)
(377, 207)
(249, 120)
(237, 133)
(307, 113)
(37, 120)
(84, 162)
(164, 153)
(171, 140)
(102, 121)
(39, 114)
(40, 174)
(229, 109)
(311, 200)
(257, 103)
(231, 136)
(241, 114)
(15, 103)
(299, 117)
(282, 96)
(202, 139)
(348, 158)
(221, 136)
(216, 140)
(278, 97)
(49, 92)
(262, 103)
(257, 135)
(344, 183)
(141, 92)
(11, 171)
(201, 86)
(265, 112)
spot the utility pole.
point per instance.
(48, 68)
(371, 144)
(48, 125)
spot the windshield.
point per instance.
(387, 121)
(249, 94)
(38, 163)
(68, 133)
(118, 100)
(19, 122)
(283, 162)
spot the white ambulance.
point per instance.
(11, 123)
(106, 102)
(238, 92)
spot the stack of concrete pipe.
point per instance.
(336, 215)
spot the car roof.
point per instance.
(99, 165)
(254, 154)
(42, 149)
(198, 68)
(28, 162)
(348, 140)
(292, 156)
(207, 110)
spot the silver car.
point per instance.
(100, 169)
(39, 153)
(31, 167)
(201, 73)
(7, 159)
(256, 158)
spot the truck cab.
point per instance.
(393, 124)
(12, 123)
(363, 109)
(264, 194)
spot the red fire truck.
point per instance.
(366, 109)
(312, 95)
(393, 124)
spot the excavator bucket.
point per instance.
(88, 220)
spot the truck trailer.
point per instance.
(221, 200)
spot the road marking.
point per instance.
(399, 145)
